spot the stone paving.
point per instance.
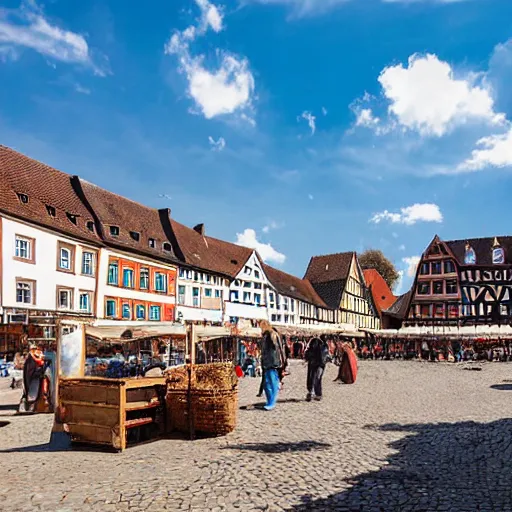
(408, 436)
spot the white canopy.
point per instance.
(133, 331)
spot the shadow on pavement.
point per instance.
(502, 387)
(260, 405)
(4, 423)
(438, 467)
(301, 446)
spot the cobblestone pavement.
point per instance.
(407, 436)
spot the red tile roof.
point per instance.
(210, 253)
(292, 286)
(132, 219)
(382, 295)
(45, 187)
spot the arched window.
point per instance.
(469, 255)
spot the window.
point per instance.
(218, 294)
(439, 310)
(160, 282)
(449, 267)
(72, 218)
(257, 286)
(257, 299)
(87, 263)
(273, 318)
(247, 296)
(208, 278)
(126, 311)
(503, 310)
(237, 282)
(207, 292)
(128, 278)
(424, 288)
(256, 274)
(189, 274)
(247, 284)
(25, 292)
(451, 287)
(438, 287)
(22, 197)
(271, 297)
(436, 267)
(425, 310)
(85, 302)
(247, 270)
(195, 296)
(113, 273)
(90, 225)
(466, 310)
(152, 243)
(167, 246)
(51, 210)
(144, 278)
(110, 307)
(140, 312)
(66, 257)
(181, 294)
(114, 230)
(64, 298)
(24, 249)
(453, 311)
(154, 313)
(234, 296)
(181, 272)
(286, 319)
(135, 235)
(425, 269)
(285, 303)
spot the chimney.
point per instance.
(199, 228)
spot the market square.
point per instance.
(409, 436)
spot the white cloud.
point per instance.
(495, 150)
(217, 145)
(425, 212)
(225, 90)
(27, 28)
(412, 264)
(310, 197)
(365, 118)
(324, 111)
(82, 90)
(272, 225)
(249, 239)
(310, 118)
(427, 97)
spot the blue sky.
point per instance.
(300, 127)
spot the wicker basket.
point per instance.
(210, 377)
(213, 411)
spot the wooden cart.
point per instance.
(108, 412)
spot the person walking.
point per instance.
(272, 361)
(317, 356)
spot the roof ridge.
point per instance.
(476, 238)
(333, 254)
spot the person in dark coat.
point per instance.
(273, 359)
(317, 356)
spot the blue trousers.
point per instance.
(271, 386)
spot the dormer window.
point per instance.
(114, 230)
(498, 254)
(469, 255)
(135, 235)
(234, 262)
(152, 243)
(90, 225)
(71, 217)
(22, 197)
(50, 210)
(167, 246)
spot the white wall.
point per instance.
(106, 290)
(203, 280)
(44, 271)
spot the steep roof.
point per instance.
(52, 201)
(382, 295)
(210, 253)
(482, 247)
(328, 274)
(137, 224)
(292, 286)
(400, 307)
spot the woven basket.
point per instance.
(209, 376)
(213, 411)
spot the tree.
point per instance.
(373, 258)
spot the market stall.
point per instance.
(111, 388)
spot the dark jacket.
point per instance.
(272, 352)
(317, 353)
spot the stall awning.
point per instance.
(131, 331)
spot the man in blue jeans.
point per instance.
(272, 360)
